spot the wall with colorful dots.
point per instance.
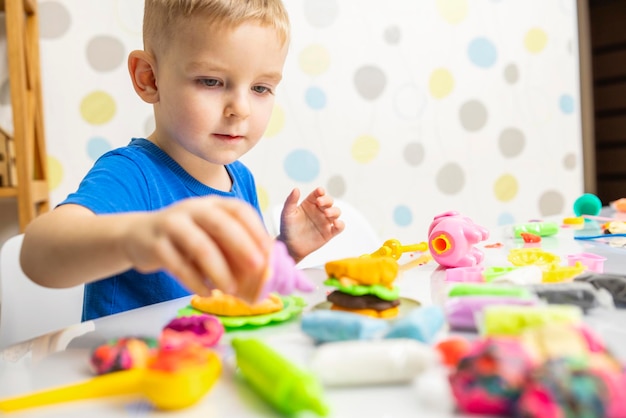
(405, 110)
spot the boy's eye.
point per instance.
(210, 82)
(260, 89)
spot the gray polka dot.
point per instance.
(54, 20)
(414, 153)
(5, 93)
(551, 203)
(336, 186)
(450, 178)
(392, 35)
(473, 115)
(511, 142)
(105, 53)
(569, 161)
(370, 82)
(149, 125)
(321, 13)
(511, 73)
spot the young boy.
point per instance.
(178, 204)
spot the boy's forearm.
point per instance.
(61, 249)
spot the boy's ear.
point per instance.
(142, 74)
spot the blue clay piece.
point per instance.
(329, 326)
(421, 324)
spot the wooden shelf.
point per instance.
(22, 33)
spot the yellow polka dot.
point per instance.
(264, 198)
(535, 40)
(441, 83)
(452, 11)
(276, 123)
(314, 60)
(505, 188)
(365, 148)
(97, 108)
(55, 172)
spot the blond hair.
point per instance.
(163, 17)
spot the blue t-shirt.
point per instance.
(141, 177)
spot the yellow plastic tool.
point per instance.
(393, 248)
(164, 389)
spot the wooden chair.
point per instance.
(31, 189)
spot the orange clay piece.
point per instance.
(528, 237)
(365, 270)
(222, 304)
(619, 205)
(387, 313)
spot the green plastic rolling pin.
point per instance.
(285, 386)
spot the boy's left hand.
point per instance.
(306, 227)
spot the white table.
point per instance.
(62, 357)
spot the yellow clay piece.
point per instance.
(532, 256)
(222, 304)
(556, 273)
(387, 313)
(579, 220)
(365, 270)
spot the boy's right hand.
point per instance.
(209, 242)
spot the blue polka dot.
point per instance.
(402, 216)
(506, 218)
(566, 103)
(315, 98)
(97, 146)
(482, 52)
(302, 165)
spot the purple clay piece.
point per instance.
(284, 277)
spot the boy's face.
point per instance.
(216, 91)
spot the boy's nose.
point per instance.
(238, 105)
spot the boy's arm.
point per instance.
(306, 227)
(204, 242)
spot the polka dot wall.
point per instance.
(405, 111)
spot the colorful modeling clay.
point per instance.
(587, 204)
(420, 324)
(582, 294)
(284, 277)
(286, 387)
(532, 256)
(487, 289)
(223, 304)
(520, 276)
(349, 301)
(512, 320)
(166, 390)
(555, 273)
(451, 240)
(123, 354)
(461, 312)
(358, 363)
(615, 284)
(491, 377)
(453, 349)
(328, 326)
(541, 229)
(565, 388)
(364, 270)
(382, 292)
(206, 330)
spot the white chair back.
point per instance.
(28, 310)
(357, 239)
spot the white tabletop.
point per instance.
(62, 357)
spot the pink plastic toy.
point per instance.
(451, 239)
(284, 277)
(592, 262)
